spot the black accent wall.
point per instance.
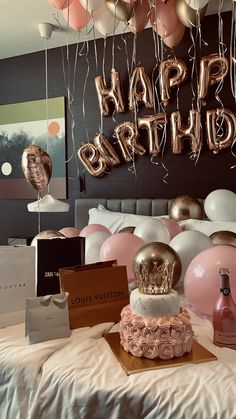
(23, 79)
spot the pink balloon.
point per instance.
(140, 16)
(172, 226)
(121, 247)
(70, 231)
(163, 17)
(90, 228)
(76, 15)
(176, 37)
(202, 279)
(60, 4)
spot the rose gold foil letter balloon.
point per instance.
(227, 121)
(37, 167)
(166, 80)
(91, 159)
(213, 69)
(152, 124)
(110, 94)
(106, 150)
(179, 132)
(140, 89)
(127, 136)
(184, 207)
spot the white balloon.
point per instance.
(220, 205)
(196, 4)
(188, 244)
(152, 230)
(93, 243)
(91, 5)
(104, 22)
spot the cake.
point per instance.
(154, 325)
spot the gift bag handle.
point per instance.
(57, 299)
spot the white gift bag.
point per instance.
(47, 318)
(17, 282)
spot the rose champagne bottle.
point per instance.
(224, 314)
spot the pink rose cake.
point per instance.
(154, 325)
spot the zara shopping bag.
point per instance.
(46, 318)
(17, 282)
(97, 292)
(53, 254)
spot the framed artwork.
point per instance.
(39, 122)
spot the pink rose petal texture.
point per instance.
(151, 338)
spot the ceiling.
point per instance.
(19, 21)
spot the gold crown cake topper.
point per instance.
(154, 278)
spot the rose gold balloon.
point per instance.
(140, 16)
(176, 37)
(108, 94)
(76, 16)
(140, 89)
(228, 120)
(154, 264)
(163, 17)
(127, 136)
(188, 16)
(128, 229)
(70, 231)
(119, 9)
(47, 234)
(60, 4)
(184, 207)
(223, 237)
(37, 167)
(179, 132)
(167, 80)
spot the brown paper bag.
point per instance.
(97, 292)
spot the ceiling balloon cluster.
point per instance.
(168, 18)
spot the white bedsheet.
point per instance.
(80, 377)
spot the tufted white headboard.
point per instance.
(141, 206)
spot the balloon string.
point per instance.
(126, 55)
(133, 61)
(104, 79)
(70, 91)
(132, 168)
(221, 51)
(46, 95)
(113, 39)
(232, 57)
(95, 45)
(192, 58)
(70, 94)
(155, 80)
(39, 213)
(81, 53)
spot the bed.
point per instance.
(80, 377)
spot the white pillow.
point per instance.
(208, 227)
(115, 221)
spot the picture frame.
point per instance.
(38, 122)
